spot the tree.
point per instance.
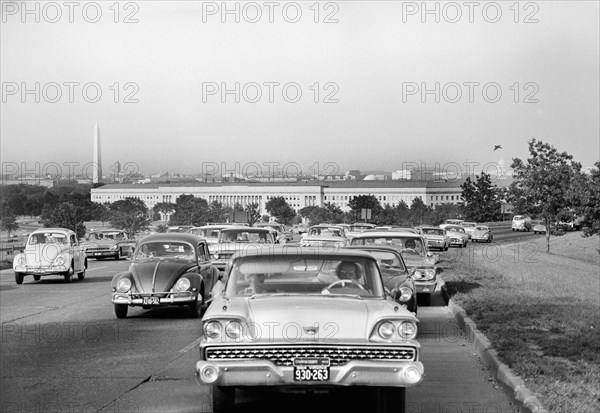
(584, 194)
(66, 215)
(8, 222)
(166, 208)
(100, 212)
(253, 211)
(419, 212)
(359, 202)
(281, 210)
(129, 214)
(218, 213)
(481, 199)
(541, 182)
(189, 210)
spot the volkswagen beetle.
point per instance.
(108, 243)
(166, 269)
(51, 251)
(300, 319)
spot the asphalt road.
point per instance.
(62, 349)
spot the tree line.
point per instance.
(549, 185)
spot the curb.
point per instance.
(502, 373)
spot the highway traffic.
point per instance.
(64, 350)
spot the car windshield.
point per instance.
(456, 229)
(518, 217)
(360, 228)
(246, 236)
(177, 250)
(95, 236)
(406, 245)
(206, 232)
(325, 231)
(482, 228)
(304, 275)
(433, 231)
(388, 258)
(468, 224)
(48, 238)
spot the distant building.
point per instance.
(403, 174)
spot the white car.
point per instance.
(469, 227)
(458, 235)
(521, 223)
(51, 251)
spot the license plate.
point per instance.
(97, 253)
(311, 369)
(150, 301)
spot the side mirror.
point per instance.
(429, 254)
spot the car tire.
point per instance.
(195, 308)
(118, 255)
(223, 398)
(68, 276)
(37, 277)
(390, 400)
(19, 276)
(81, 275)
(121, 310)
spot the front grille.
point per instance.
(98, 249)
(284, 356)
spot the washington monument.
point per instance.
(97, 170)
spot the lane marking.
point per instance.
(96, 268)
(190, 346)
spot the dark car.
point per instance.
(396, 276)
(166, 270)
(108, 243)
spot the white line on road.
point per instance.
(190, 346)
(94, 269)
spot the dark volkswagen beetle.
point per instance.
(166, 269)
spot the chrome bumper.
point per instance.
(138, 299)
(354, 373)
(426, 286)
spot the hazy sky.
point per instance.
(367, 73)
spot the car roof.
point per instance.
(298, 251)
(106, 230)
(42, 230)
(247, 229)
(388, 234)
(173, 236)
(387, 248)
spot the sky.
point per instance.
(311, 86)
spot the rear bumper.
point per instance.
(354, 373)
(425, 287)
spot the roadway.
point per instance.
(64, 350)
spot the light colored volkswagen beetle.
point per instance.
(51, 251)
(306, 319)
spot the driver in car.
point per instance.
(349, 271)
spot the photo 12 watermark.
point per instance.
(470, 92)
(71, 92)
(252, 12)
(270, 92)
(52, 12)
(453, 12)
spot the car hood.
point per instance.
(167, 272)
(43, 254)
(284, 318)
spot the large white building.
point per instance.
(297, 194)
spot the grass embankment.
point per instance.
(541, 312)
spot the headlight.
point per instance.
(183, 284)
(429, 274)
(407, 330)
(405, 294)
(21, 260)
(124, 285)
(418, 274)
(60, 260)
(114, 247)
(385, 330)
(212, 329)
(215, 256)
(233, 329)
